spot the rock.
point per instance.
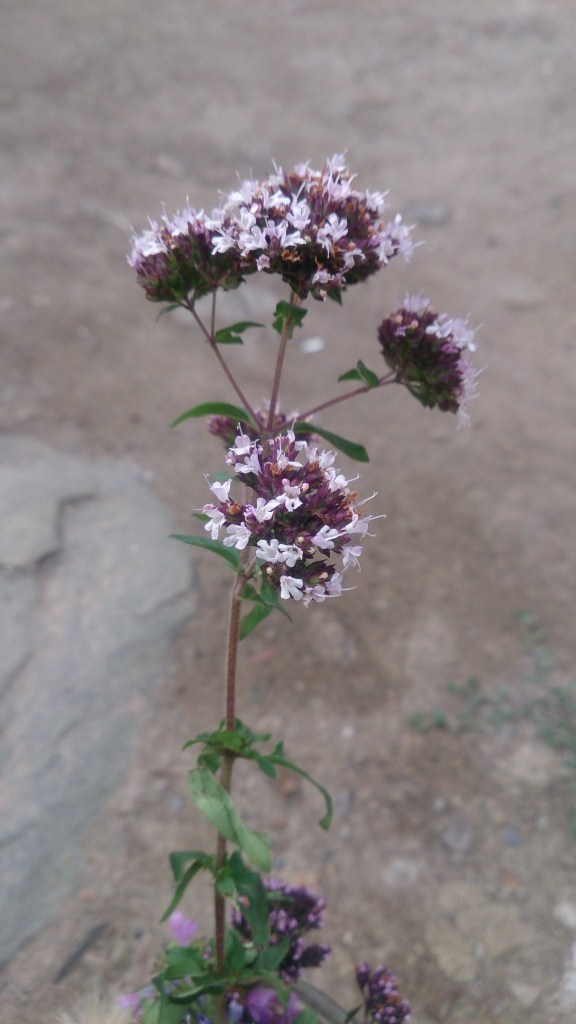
(525, 994)
(33, 488)
(83, 634)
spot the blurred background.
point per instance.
(438, 699)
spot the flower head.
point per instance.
(311, 227)
(427, 352)
(301, 522)
(294, 911)
(382, 1001)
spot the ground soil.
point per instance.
(452, 855)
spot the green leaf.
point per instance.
(168, 309)
(214, 409)
(216, 804)
(370, 378)
(230, 555)
(231, 335)
(257, 909)
(277, 757)
(335, 294)
(267, 600)
(253, 618)
(183, 961)
(361, 372)
(350, 448)
(271, 958)
(168, 1013)
(183, 876)
(235, 953)
(189, 995)
(353, 374)
(285, 312)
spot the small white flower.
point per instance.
(316, 593)
(250, 464)
(291, 587)
(416, 303)
(263, 510)
(334, 585)
(331, 232)
(221, 490)
(325, 538)
(336, 481)
(351, 556)
(217, 520)
(268, 550)
(222, 243)
(299, 215)
(290, 554)
(290, 498)
(237, 536)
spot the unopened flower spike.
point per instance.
(427, 353)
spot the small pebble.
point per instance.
(311, 345)
(511, 836)
(457, 836)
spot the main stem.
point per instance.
(226, 779)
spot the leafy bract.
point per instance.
(231, 335)
(287, 313)
(350, 448)
(361, 372)
(231, 555)
(236, 412)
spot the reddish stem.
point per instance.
(388, 379)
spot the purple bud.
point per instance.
(130, 1001)
(265, 1007)
(183, 928)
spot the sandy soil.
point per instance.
(452, 856)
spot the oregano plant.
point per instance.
(290, 526)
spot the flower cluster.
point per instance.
(304, 513)
(294, 911)
(311, 227)
(426, 351)
(382, 1001)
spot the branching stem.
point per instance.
(284, 337)
(388, 379)
(210, 336)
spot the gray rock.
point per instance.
(33, 486)
(84, 632)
